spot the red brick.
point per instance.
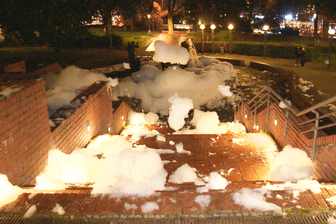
(111, 205)
(311, 200)
(92, 206)
(187, 202)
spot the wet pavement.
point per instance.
(243, 159)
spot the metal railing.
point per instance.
(292, 116)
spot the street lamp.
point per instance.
(230, 36)
(331, 33)
(265, 28)
(202, 27)
(213, 27)
(149, 31)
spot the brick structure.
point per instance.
(26, 136)
(24, 133)
(89, 120)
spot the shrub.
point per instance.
(223, 35)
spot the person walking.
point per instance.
(297, 56)
(303, 56)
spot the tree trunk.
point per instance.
(171, 5)
(132, 23)
(107, 24)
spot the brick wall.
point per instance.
(325, 154)
(26, 136)
(24, 133)
(95, 112)
(120, 117)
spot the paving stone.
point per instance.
(248, 165)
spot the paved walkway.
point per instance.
(322, 77)
(242, 159)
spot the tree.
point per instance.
(219, 11)
(171, 7)
(321, 7)
(152, 8)
(49, 22)
(63, 21)
(17, 20)
(108, 8)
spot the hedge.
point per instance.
(257, 49)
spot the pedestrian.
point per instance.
(297, 56)
(303, 56)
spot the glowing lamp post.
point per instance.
(202, 27)
(265, 28)
(148, 16)
(230, 36)
(331, 33)
(213, 27)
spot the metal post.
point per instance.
(331, 33)
(315, 133)
(213, 39)
(230, 37)
(286, 122)
(265, 28)
(329, 59)
(265, 43)
(268, 105)
(255, 116)
(149, 30)
(230, 27)
(242, 106)
(202, 38)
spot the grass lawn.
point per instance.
(36, 57)
(259, 38)
(140, 37)
(83, 58)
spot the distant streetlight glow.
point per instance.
(266, 27)
(230, 36)
(289, 17)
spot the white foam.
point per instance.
(8, 192)
(149, 206)
(178, 111)
(203, 200)
(291, 164)
(169, 53)
(185, 174)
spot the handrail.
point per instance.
(259, 101)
